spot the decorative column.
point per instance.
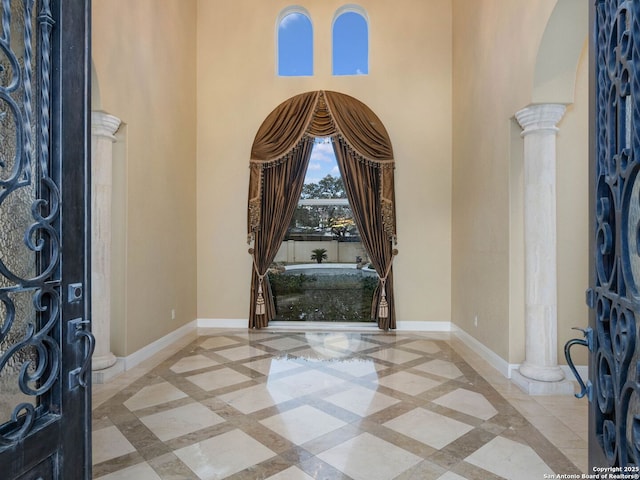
(540, 374)
(103, 127)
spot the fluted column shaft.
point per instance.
(103, 128)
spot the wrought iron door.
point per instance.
(614, 296)
(45, 342)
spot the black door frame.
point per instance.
(595, 455)
(58, 443)
(614, 289)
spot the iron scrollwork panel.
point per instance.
(616, 295)
(30, 300)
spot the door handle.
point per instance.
(587, 341)
(78, 376)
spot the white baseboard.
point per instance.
(420, 326)
(407, 326)
(492, 358)
(500, 364)
(222, 323)
(148, 351)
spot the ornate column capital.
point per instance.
(104, 125)
(540, 117)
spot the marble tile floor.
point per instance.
(300, 405)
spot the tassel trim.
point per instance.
(260, 306)
(383, 307)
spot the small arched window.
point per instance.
(350, 42)
(295, 43)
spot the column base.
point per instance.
(537, 387)
(106, 374)
(103, 361)
(540, 373)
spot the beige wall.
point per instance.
(495, 50)
(409, 88)
(144, 59)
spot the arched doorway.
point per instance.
(279, 160)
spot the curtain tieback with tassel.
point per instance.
(261, 308)
(383, 306)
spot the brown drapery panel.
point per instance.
(279, 159)
(362, 185)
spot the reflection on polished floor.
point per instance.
(289, 405)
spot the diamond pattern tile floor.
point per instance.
(278, 405)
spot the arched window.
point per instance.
(279, 159)
(295, 43)
(350, 42)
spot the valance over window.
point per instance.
(279, 160)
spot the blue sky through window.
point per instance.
(295, 46)
(350, 45)
(322, 162)
(350, 40)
